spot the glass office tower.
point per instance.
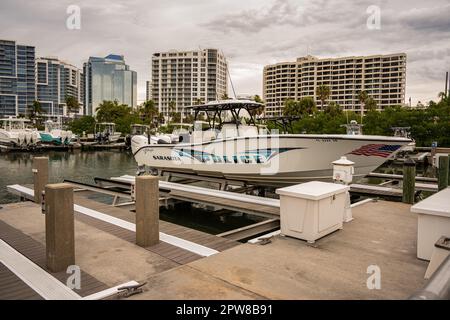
(17, 78)
(109, 79)
(57, 80)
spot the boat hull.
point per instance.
(20, 138)
(269, 160)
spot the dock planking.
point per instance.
(166, 250)
(35, 252)
(13, 288)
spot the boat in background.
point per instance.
(180, 131)
(235, 148)
(405, 132)
(105, 132)
(54, 134)
(15, 133)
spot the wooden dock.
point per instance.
(97, 147)
(41, 148)
(14, 288)
(179, 255)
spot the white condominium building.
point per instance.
(383, 77)
(148, 91)
(187, 77)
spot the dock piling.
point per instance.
(443, 172)
(409, 181)
(40, 176)
(59, 226)
(147, 211)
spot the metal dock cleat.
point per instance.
(129, 291)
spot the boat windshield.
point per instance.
(139, 129)
(404, 132)
(50, 125)
(105, 127)
(353, 128)
(13, 124)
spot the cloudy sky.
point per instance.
(251, 33)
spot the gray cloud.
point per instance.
(434, 19)
(251, 33)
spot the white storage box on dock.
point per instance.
(433, 222)
(312, 210)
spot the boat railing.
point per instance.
(438, 287)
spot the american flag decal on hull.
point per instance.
(378, 150)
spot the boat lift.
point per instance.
(267, 208)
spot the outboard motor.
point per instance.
(28, 138)
(35, 138)
(164, 139)
(21, 138)
(138, 142)
(128, 141)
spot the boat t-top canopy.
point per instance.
(181, 124)
(15, 119)
(214, 109)
(224, 105)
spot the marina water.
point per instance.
(84, 166)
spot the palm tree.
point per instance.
(34, 110)
(72, 104)
(305, 106)
(172, 110)
(149, 112)
(371, 104)
(259, 111)
(323, 93)
(362, 98)
(160, 118)
(442, 95)
(333, 109)
(198, 101)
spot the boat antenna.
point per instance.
(446, 84)
(231, 81)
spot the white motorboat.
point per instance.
(105, 132)
(180, 131)
(54, 134)
(406, 133)
(240, 151)
(15, 133)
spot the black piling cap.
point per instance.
(409, 163)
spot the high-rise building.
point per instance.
(148, 91)
(383, 77)
(186, 77)
(17, 78)
(57, 80)
(108, 79)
